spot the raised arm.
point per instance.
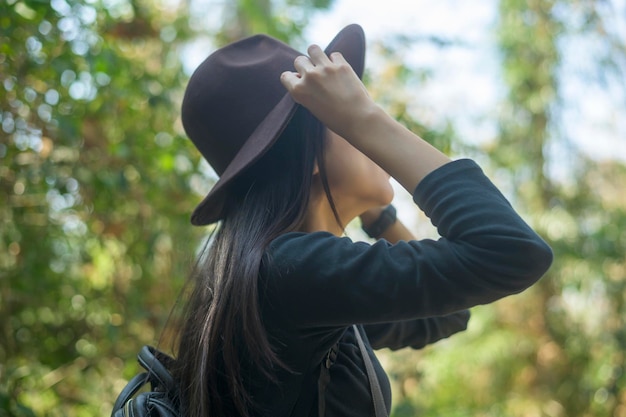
(331, 90)
(486, 251)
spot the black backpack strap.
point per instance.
(380, 409)
(377, 395)
(324, 378)
(155, 363)
(129, 391)
(305, 402)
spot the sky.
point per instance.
(466, 76)
(468, 86)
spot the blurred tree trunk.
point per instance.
(528, 37)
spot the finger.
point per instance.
(289, 79)
(318, 57)
(338, 58)
(303, 64)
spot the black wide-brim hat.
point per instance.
(235, 106)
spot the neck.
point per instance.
(320, 215)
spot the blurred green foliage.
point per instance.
(97, 182)
(96, 186)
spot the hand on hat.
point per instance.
(330, 89)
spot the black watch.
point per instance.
(387, 218)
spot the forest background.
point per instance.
(97, 181)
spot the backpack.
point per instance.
(162, 400)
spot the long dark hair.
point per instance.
(222, 325)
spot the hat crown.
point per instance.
(231, 93)
(235, 106)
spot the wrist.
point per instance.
(375, 228)
(370, 216)
(358, 128)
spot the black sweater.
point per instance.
(314, 286)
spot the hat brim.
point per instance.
(350, 42)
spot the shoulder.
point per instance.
(301, 243)
(319, 265)
(318, 279)
(319, 253)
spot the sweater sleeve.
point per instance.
(416, 333)
(486, 251)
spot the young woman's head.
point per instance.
(235, 106)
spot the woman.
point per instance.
(301, 150)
